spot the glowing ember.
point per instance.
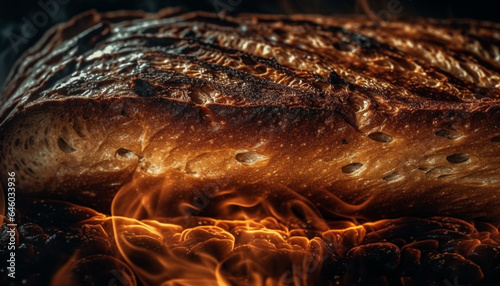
(252, 242)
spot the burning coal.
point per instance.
(262, 236)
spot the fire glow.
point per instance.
(267, 237)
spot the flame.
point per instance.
(215, 235)
(172, 230)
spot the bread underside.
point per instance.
(351, 116)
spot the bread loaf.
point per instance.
(378, 120)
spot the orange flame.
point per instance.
(176, 231)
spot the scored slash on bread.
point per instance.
(401, 118)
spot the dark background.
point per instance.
(15, 13)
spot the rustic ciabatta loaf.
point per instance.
(400, 119)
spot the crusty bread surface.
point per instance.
(360, 118)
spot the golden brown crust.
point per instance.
(402, 116)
